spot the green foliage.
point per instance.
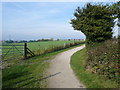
(95, 21)
(51, 39)
(118, 37)
(116, 9)
(89, 79)
(103, 59)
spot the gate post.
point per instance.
(25, 50)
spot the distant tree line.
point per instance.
(23, 41)
(39, 40)
(51, 39)
(12, 41)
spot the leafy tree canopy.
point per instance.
(116, 10)
(95, 21)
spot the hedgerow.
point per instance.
(104, 59)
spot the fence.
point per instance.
(18, 51)
(15, 51)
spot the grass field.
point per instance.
(36, 47)
(89, 79)
(19, 73)
(15, 55)
(42, 44)
(47, 44)
(29, 73)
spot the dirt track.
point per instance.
(61, 73)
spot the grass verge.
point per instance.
(28, 73)
(90, 80)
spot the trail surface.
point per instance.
(60, 72)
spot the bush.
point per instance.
(103, 59)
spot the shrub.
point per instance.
(103, 59)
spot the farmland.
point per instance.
(39, 45)
(13, 54)
(29, 73)
(47, 44)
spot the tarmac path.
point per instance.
(62, 75)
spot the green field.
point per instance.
(42, 44)
(39, 45)
(47, 44)
(20, 73)
(34, 46)
(13, 54)
(29, 73)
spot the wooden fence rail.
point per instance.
(27, 51)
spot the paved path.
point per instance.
(61, 73)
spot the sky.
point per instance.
(59, 0)
(0, 22)
(36, 20)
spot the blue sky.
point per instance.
(35, 20)
(0, 21)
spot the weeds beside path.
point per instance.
(90, 80)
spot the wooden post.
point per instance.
(64, 45)
(25, 50)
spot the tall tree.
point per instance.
(116, 10)
(95, 21)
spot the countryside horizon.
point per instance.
(46, 20)
(60, 44)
